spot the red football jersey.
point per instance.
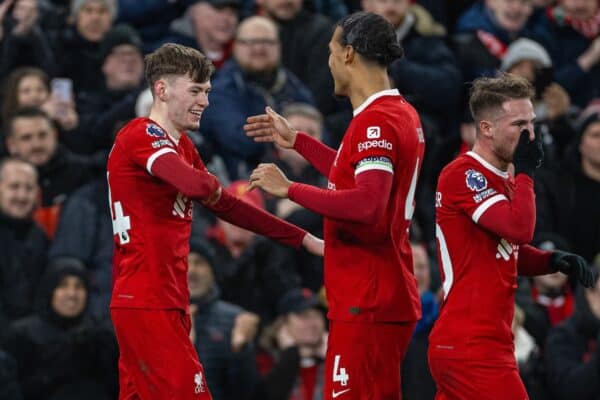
(151, 219)
(369, 269)
(478, 268)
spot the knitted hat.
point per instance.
(110, 4)
(525, 49)
(117, 36)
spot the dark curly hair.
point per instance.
(371, 36)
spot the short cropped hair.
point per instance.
(26, 112)
(371, 36)
(488, 94)
(175, 59)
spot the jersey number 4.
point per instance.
(120, 222)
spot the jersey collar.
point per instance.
(373, 97)
(487, 165)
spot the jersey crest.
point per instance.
(155, 131)
(475, 180)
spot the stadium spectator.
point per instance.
(230, 368)
(23, 244)
(567, 193)
(30, 87)
(32, 136)
(417, 382)
(573, 350)
(105, 111)
(293, 350)
(209, 26)
(61, 353)
(253, 79)
(552, 104)
(90, 242)
(76, 48)
(22, 41)
(570, 31)
(303, 33)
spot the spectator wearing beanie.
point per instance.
(104, 111)
(61, 353)
(554, 113)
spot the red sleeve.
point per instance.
(193, 183)
(144, 142)
(372, 193)
(319, 155)
(533, 261)
(513, 220)
(238, 212)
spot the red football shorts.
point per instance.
(466, 380)
(157, 358)
(363, 360)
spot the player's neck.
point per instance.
(161, 119)
(488, 155)
(367, 82)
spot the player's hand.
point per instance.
(573, 264)
(271, 127)
(313, 245)
(244, 330)
(529, 153)
(269, 178)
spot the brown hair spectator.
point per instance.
(12, 87)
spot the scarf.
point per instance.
(589, 28)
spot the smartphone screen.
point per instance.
(62, 89)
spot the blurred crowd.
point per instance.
(72, 73)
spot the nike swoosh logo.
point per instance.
(335, 394)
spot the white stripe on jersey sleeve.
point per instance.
(487, 204)
(155, 155)
(374, 163)
(446, 261)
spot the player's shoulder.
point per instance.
(142, 126)
(459, 168)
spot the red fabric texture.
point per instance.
(319, 155)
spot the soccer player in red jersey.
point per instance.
(368, 206)
(154, 173)
(484, 219)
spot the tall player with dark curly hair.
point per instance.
(368, 206)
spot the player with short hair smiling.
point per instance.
(368, 206)
(154, 173)
(485, 218)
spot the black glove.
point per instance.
(572, 264)
(529, 154)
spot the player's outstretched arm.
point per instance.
(245, 215)
(272, 127)
(365, 203)
(192, 183)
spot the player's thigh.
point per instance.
(465, 380)
(363, 360)
(158, 356)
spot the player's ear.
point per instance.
(160, 89)
(349, 54)
(485, 127)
